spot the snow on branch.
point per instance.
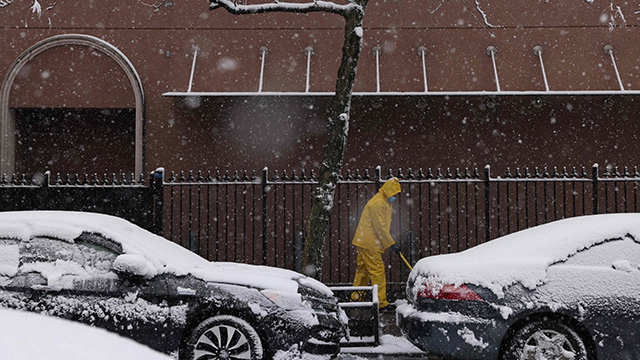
(315, 6)
(484, 15)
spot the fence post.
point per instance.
(157, 185)
(47, 178)
(487, 202)
(377, 175)
(265, 173)
(594, 175)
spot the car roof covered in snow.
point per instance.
(28, 336)
(524, 256)
(162, 254)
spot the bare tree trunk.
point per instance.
(338, 130)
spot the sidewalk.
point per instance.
(392, 344)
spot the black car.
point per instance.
(565, 290)
(107, 272)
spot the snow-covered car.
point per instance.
(569, 289)
(28, 336)
(104, 271)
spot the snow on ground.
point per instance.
(389, 344)
(28, 336)
(523, 257)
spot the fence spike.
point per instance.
(536, 172)
(349, 177)
(635, 172)
(227, 178)
(141, 179)
(24, 179)
(275, 176)
(626, 171)
(410, 175)
(545, 173)
(507, 173)
(574, 173)
(199, 178)
(606, 172)
(439, 173)
(420, 174)
(245, 175)
(191, 178)
(556, 174)
(458, 176)
(114, 179)
(284, 175)
(105, 181)
(400, 174)
(467, 173)
(389, 175)
(584, 172)
(313, 175)
(429, 174)
(182, 178)
(253, 175)
(133, 179)
(526, 174)
(208, 178)
(124, 179)
(518, 174)
(358, 176)
(366, 174)
(303, 176)
(4, 179)
(564, 172)
(339, 177)
(294, 175)
(172, 176)
(476, 173)
(236, 176)
(615, 172)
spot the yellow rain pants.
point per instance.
(370, 270)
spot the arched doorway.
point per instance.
(83, 120)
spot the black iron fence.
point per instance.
(119, 195)
(259, 218)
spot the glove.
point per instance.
(395, 248)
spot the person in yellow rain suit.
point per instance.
(372, 238)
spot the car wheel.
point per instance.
(545, 339)
(223, 337)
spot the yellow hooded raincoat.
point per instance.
(372, 238)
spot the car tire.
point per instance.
(223, 337)
(545, 339)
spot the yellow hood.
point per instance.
(390, 187)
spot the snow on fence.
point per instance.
(259, 218)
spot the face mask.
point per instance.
(392, 199)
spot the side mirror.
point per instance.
(130, 266)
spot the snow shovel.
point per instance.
(405, 260)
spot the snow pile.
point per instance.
(163, 255)
(523, 257)
(26, 336)
(389, 344)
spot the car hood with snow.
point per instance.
(149, 254)
(27, 336)
(524, 257)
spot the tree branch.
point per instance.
(316, 6)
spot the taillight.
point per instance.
(447, 292)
